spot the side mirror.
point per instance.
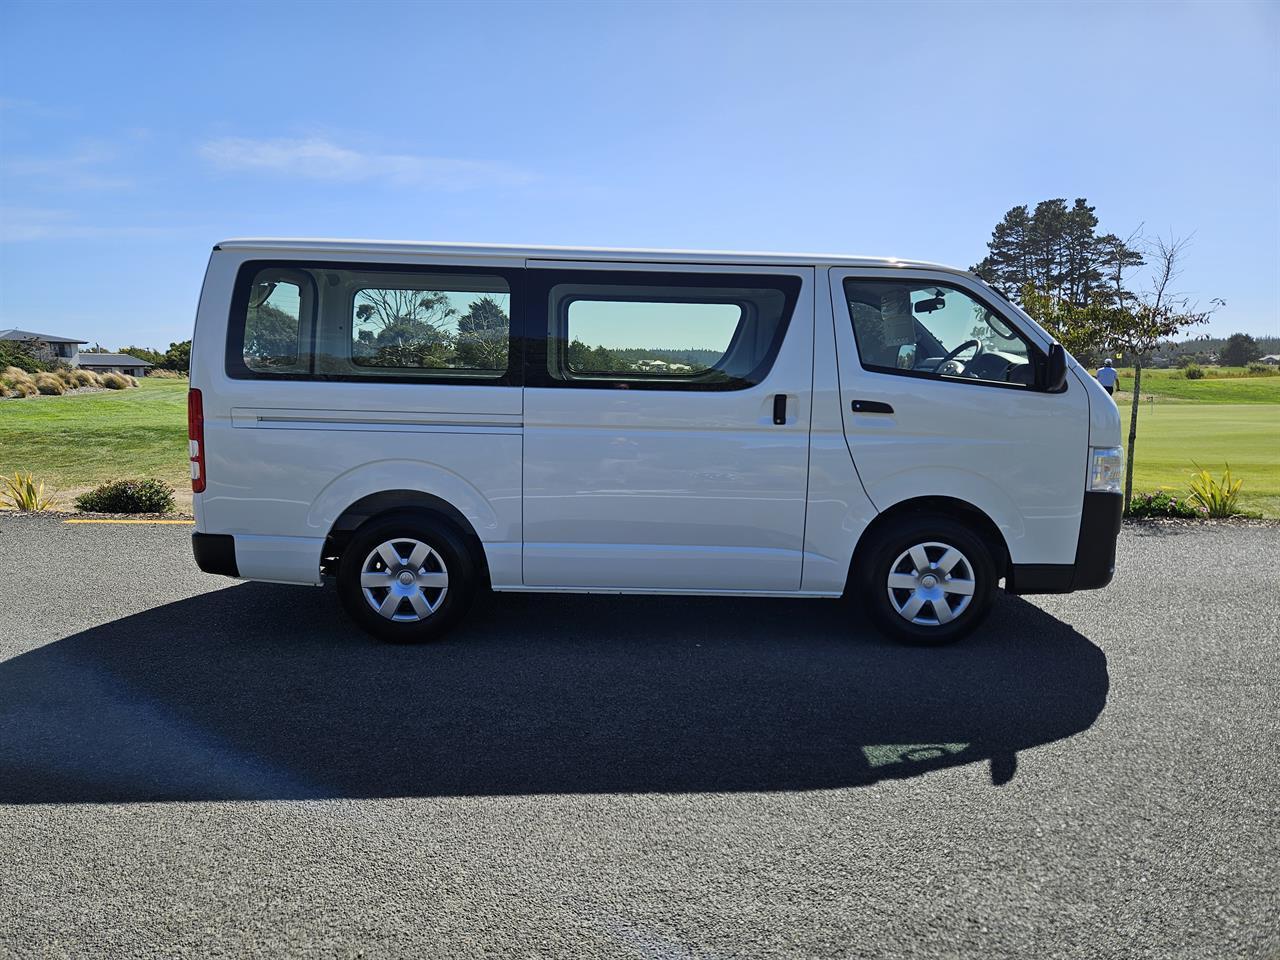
(907, 356)
(1055, 370)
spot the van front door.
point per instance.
(666, 425)
(939, 397)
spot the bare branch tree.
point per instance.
(1158, 313)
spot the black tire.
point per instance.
(449, 554)
(885, 555)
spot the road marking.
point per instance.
(184, 522)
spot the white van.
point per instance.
(420, 421)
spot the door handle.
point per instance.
(780, 409)
(870, 406)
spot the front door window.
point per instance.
(910, 327)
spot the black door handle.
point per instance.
(870, 406)
(780, 408)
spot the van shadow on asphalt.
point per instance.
(260, 691)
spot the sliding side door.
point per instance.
(666, 424)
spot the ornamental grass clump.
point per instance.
(22, 386)
(128, 496)
(84, 378)
(17, 381)
(114, 381)
(50, 384)
(23, 492)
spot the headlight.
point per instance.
(1106, 469)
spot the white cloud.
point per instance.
(316, 158)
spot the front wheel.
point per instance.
(928, 580)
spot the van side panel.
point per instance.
(284, 458)
(839, 510)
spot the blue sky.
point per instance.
(134, 136)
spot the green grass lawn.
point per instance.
(1173, 437)
(78, 441)
(1231, 385)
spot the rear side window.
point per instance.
(273, 323)
(354, 322)
(666, 331)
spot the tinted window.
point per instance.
(908, 327)
(431, 325)
(660, 334)
(273, 322)
(354, 323)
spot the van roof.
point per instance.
(604, 254)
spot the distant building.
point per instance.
(1271, 358)
(114, 363)
(45, 346)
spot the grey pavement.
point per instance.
(191, 766)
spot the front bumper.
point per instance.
(1095, 562)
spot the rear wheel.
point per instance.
(928, 580)
(406, 577)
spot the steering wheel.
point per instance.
(951, 357)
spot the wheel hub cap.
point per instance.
(404, 580)
(930, 584)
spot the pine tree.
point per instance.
(1057, 250)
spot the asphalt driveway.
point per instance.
(191, 765)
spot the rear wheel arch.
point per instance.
(387, 502)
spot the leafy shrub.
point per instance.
(50, 384)
(1259, 369)
(157, 373)
(23, 492)
(128, 496)
(114, 381)
(1219, 498)
(1161, 504)
(15, 354)
(1193, 371)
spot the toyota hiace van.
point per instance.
(418, 422)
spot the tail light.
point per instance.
(195, 439)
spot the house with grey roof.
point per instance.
(114, 363)
(45, 346)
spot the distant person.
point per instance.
(1107, 376)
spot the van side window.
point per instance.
(666, 335)
(273, 328)
(355, 322)
(930, 329)
(431, 325)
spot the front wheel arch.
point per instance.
(960, 511)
